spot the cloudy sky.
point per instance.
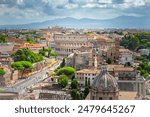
(26, 11)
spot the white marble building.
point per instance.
(125, 57)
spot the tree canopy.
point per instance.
(53, 53)
(63, 81)
(30, 40)
(75, 94)
(2, 72)
(66, 70)
(86, 92)
(86, 88)
(21, 65)
(63, 63)
(27, 55)
(47, 52)
(2, 38)
(74, 84)
(136, 40)
(109, 61)
(144, 69)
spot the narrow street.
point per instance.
(32, 80)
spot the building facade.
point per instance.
(67, 43)
(86, 75)
(5, 58)
(126, 57)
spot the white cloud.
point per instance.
(105, 1)
(134, 3)
(94, 5)
(44, 9)
(55, 3)
(19, 2)
(71, 6)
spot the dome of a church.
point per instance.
(104, 81)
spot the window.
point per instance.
(110, 98)
(100, 98)
(52, 79)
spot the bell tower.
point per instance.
(117, 47)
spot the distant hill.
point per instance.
(119, 22)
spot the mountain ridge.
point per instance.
(118, 22)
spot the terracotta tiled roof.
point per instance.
(90, 71)
(119, 68)
(26, 45)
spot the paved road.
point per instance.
(21, 87)
(52, 92)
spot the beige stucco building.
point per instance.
(86, 74)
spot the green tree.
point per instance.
(73, 76)
(75, 94)
(74, 84)
(42, 52)
(86, 91)
(30, 40)
(144, 73)
(2, 72)
(47, 52)
(134, 42)
(86, 87)
(144, 69)
(26, 64)
(78, 97)
(66, 70)
(109, 61)
(89, 83)
(63, 63)
(81, 96)
(27, 55)
(17, 66)
(22, 66)
(52, 53)
(63, 81)
(86, 83)
(2, 38)
(43, 48)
